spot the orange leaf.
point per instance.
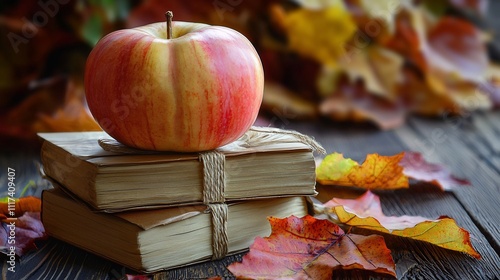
(366, 212)
(384, 172)
(376, 172)
(22, 205)
(308, 248)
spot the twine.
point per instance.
(214, 184)
(214, 181)
(219, 212)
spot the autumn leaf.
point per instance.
(19, 206)
(457, 46)
(28, 228)
(376, 172)
(415, 166)
(384, 172)
(447, 61)
(22, 218)
(72, 116)
(366, 212)
(327, 46)
(309, 248)
(353, 103)
(491, 85)
(281, 101)
(383, 9)
(379, 68)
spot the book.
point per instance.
(265, 162)
(156, 239)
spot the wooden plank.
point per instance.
(26, 166)
(415, 260)
(442, 142)
(353, 141)
(57, 260)
(423, 261)
(419, 260)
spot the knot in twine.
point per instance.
(214, 184)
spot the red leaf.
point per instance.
(23, 225)
(354, 103)
(415, 166)
(456, 46)
(25, 231)
(308, 248)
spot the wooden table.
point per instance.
(469, 146)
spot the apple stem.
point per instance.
(169, 15)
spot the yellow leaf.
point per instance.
(379, 68)
(376, 172)
(320, 34)
(366, 212)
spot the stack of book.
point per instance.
(151, 211)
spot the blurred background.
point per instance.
(372, 62)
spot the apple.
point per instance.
(179, 86)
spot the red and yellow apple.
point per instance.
(198, 90)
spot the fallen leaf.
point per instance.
(456, 46)
(447, 59)
(491, 85)
(377, 67)
(422, 99)
(19, 206)
(28, 228)
(309, 248)
(352, 102)
(376, 172)
(23, 219)
(407, 40)
(366, 212)
(327, 46)
(54, 104)
(384, 172)
(415, 166)
(282, 102)
(384, 9)
(72, 116)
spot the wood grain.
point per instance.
(464, 148)
(480, 200)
